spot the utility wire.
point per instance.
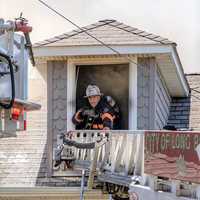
(195, 90)
(196, 87)
(196, 97)
(85, 31)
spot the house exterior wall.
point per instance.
(162, 102)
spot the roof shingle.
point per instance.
(109, 31)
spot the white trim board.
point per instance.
(99, 50)
(71, 93)
(133, 95)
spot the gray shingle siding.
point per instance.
(179, 111)
(59, 98)
(144, 90)
(153, 97)
(185, 112)
(162, 102)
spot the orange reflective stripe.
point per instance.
(100, 126)
(107, 115)
(95, 126)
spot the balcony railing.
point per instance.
(117, 152)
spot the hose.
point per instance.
(8, 106)
(78, 144)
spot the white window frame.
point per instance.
(71, 85)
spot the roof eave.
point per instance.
(100, 50)
(45, 52)
(180, 71)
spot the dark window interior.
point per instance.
(113, 80)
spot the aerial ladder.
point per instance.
(15, 49)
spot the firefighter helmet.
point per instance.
(92, 90)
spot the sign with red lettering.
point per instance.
(173, 154)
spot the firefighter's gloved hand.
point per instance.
(79, 115)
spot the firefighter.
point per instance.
(101, 114)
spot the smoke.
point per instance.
(177, 20)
